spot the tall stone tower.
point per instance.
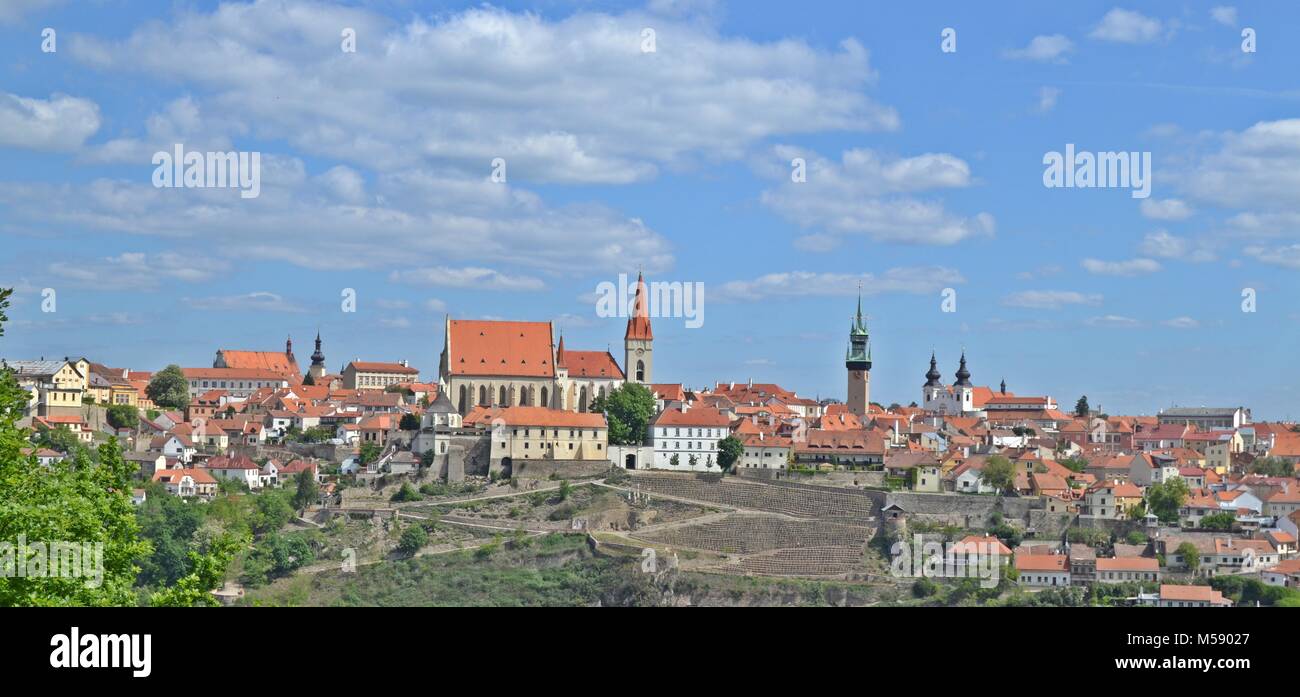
(638, 341)
(858, 362)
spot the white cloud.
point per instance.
(1225, 15)
(1162, 244)
(1259, 166)
(1047, 48)
(138, 270)
(1181, 323)
(909, 280)
(1166, 209)
(1128, 267)
(568, 100)
(259, 301)
(469, 277)
(59, 123)
(395, 323)
(1113, 322)
(1127, 26)
(1050, 299)
(1286, 256)
(435, 305)
(867, 194)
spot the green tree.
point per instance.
(1081, 407)
(208, 572)
(1075, 464)
(370, 452)
(308, 380)
(1164, 499)
(729, 451)
(169, 388)
(1272, 467)
(170, 524)
(307, 490)
(406, 493)
(1218, 521)
(61, 439)
(123, 416)
(410, 422)
(999, 473)
(412, 540)
(4, 305)
(1191, 556)
(628, 410)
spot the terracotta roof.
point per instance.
(697, 416)
(232, 374)
(482, 347)
(173, 476)
(276, 361)
(541, 416)
(592, 364)
(1128, 564)
(1040, 562)
(669, 391)
(1192, 593)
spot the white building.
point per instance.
(956, 400)
(686, 439)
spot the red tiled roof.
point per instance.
(482, 347)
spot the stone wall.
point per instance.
(836, 479)
(569, 469)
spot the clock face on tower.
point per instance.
(857, 375)
(640, 351)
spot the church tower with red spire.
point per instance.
(638, 341)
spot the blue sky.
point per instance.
(924, 173)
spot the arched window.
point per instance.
(463, 401)
(482, 395)
(640, 371)
(502, 400)
(545, 398)
(582, 400)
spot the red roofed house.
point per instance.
(1126, 569)
(686, 439)
(373, 375)
(187, 482)
(538, 433)
(1043, 570)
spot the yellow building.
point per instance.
(538, 433)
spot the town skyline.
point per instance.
(923, 172)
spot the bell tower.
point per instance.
(638, 341)
(857, 360)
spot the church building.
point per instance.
(506, 364)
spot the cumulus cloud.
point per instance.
(567, 100)
(1127, 267)
(138, 270)
(868, 194)
(1050, 299)
(1181, 323)
(1164, 245)
(1127, 26)
(1166, 209)
(1045, 48)
(60, 123)
(1225, 15)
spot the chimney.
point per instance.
(751, 382)
(732, 387)
(685, 407)
(760, 435)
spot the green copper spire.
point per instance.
(858, 355)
